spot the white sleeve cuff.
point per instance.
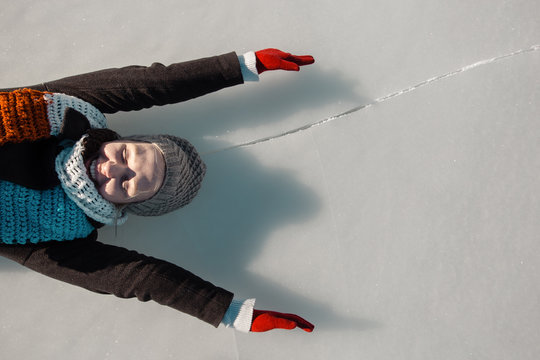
(248, 65)
(239, 315)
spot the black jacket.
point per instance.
(114, 270)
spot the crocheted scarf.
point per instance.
(80, 188)
(24, 116)
(30, 114)
(39, 215)
(59, 213)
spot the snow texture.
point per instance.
(389, 193)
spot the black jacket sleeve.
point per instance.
(139, 87)
(114, 270)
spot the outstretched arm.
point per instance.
(114, 270)
(108, 269)
(138, 87)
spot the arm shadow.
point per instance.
(248, 106)
(243, 202)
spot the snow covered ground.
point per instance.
(407, 228)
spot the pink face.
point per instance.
(127, 171)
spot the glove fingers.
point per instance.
(301, 322)
(267, 322)
(264, 320)
(284, 324)
(300, 59)
(289, 66)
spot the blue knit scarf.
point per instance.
(31, 216)
(59, 213)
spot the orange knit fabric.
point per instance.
(23, 116)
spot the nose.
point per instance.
(112, 169)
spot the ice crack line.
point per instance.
(380, 99)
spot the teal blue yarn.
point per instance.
(32, 216)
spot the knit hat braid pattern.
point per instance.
(184, 173)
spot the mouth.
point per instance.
(91, 171)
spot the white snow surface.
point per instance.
(407, 228)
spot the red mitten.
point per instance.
(264, 320)
(274, 59)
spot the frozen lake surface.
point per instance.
(389, 193)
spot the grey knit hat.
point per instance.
(184, 171)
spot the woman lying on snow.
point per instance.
(64, 175)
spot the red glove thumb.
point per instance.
(274, 59)
(264, 320)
